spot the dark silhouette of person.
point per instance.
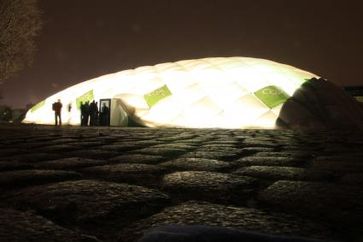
(97, 118)
(57, 108)
(86, 114)
(82, 113)
(93, 110)
(105, 115)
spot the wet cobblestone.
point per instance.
(113, 184)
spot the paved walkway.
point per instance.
(113, 184)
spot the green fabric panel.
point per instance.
(87, 97)
(271, 96)
(37, 106)
(155, 96)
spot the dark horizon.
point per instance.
(85, 39)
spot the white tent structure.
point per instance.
(233, 92)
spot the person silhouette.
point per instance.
(85, 113)
(105, 115)
(57, 108)
(82, 107)
(97, 118)
(93, 110)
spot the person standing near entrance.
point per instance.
(84, 113)
(105, 115)
(57, 108)
(93, 111)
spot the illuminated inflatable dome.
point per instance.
(233, 92)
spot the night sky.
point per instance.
(83, 39)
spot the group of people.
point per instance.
(90, 115)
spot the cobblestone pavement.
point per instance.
(113, 184)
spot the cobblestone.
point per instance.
(17, 226)
(121, 147)
(254, 150)
(216, 155)
(142, 174)
(93, 153)
(177, 146)
(88, 204)
(137, 158)
(108, 184)
(73, 163)
(196, 164)
(163, 151)
(293, 154)
(269, 161)
(33, 157)
(60, 148)
(330, 202)
(285, 173)
(195, 213)
(14, 179)
(211, 186)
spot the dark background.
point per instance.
(82, 39)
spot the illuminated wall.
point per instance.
(233, 92)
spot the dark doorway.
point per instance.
(105, 107)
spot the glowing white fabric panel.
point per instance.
(233, 92)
